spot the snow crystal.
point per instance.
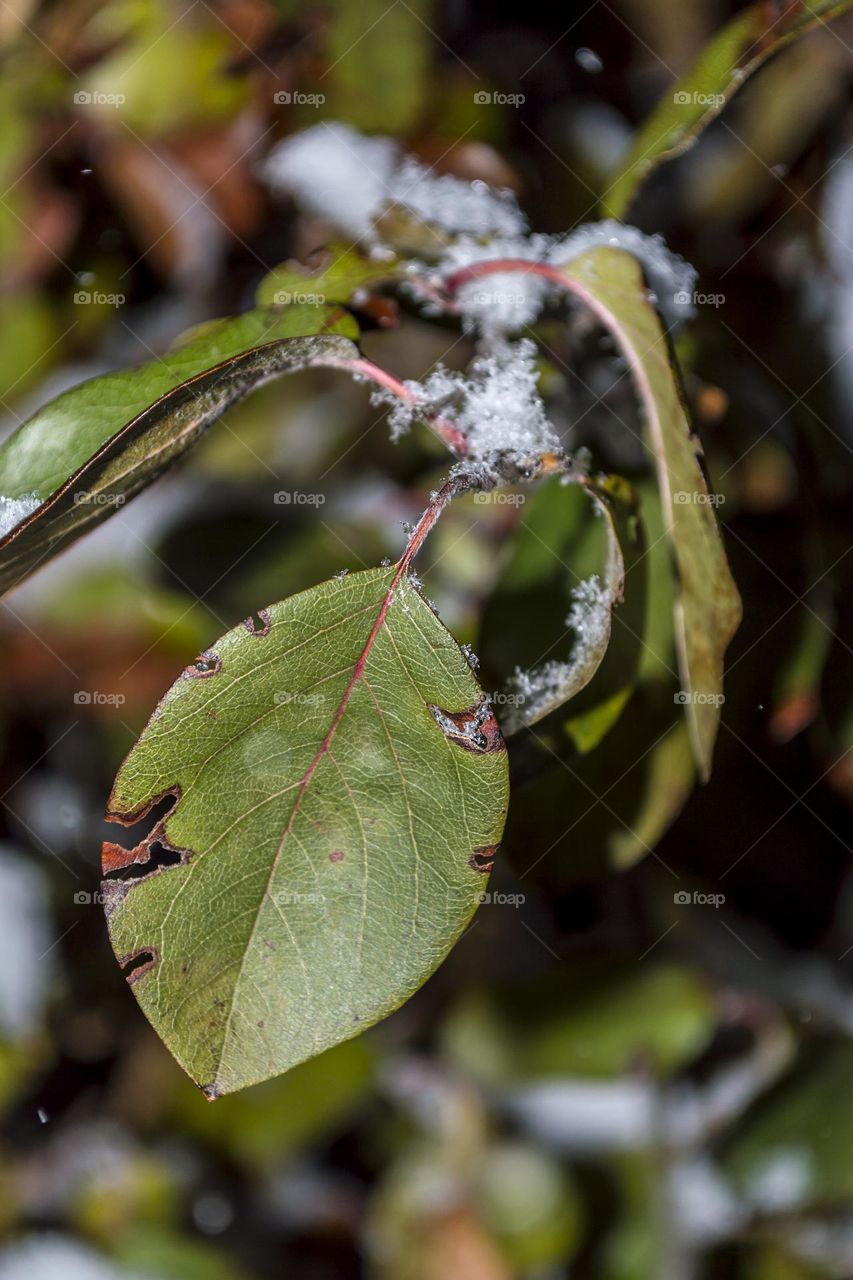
(589, 60)
(507, 302)
(545, 687)
(496, 405)
(456, 205)
(671, 279)
(336, 173)
(14, 510)
(503, 302)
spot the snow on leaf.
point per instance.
(548, 686)
(14, 510)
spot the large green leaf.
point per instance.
(88, 451)
(707, 605)
(339, 788)
(739, 49)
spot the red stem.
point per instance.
(445, 430)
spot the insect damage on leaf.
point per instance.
(476, 729)
(322, 888)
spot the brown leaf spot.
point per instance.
(337, 855)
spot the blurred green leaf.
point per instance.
(739, 49)
(97, 445)
(342, 272)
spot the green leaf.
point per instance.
(342, 273)
(707, 605)
(86, 452)
(560, 545)
(339, 787)
(739, 49)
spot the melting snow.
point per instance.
(456, 205)
(544, 688)
(343, 176)
(14, 510)
(335, 172)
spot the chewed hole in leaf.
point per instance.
(138, 963)
(258, 624)
(475, 729)
(206, 664)
(483, 859)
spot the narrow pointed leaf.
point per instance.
(687, 108)
(707, 605)
(87, 452)
(563, 540)
(338, 788)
